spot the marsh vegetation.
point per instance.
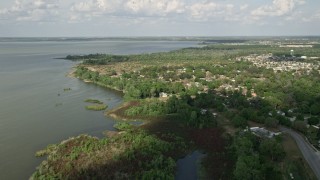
(97, 107)
(94, 101)
(132, 154)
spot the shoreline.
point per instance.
(70, 73)
(200, 117)
(117, 112)
(162, 128)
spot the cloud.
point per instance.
(301, 2)
(92, 6)
(83, 7)
(277, 8)
(180, 10)
(145, 11)
(313, 18)
(244, 7)
(131, 7)
(209, 10)
(155, 7)
(37, 10)
(87, 10)
(317, 15)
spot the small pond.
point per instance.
(187, 167)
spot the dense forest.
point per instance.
(294, 94)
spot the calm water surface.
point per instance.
(187, 167)
(35, 110)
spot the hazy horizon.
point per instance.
(171, 36)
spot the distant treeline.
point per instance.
(98, 59)
(195, 55)
(223, 41)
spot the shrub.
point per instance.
(271, 122)
(99, 107)
(93, 101)
(300, 126)
(313, 120)
(239, 121)
(122, 126)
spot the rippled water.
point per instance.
(34, 108)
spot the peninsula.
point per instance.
(223, 99)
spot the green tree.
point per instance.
(193, 90)
(248, 94)
(244, 146)
(239, 121)
(315, 108)
(271, 122)
(193, 118)
(271, 148)
(300, 126)
(172, 104)
(95, 76)
(300, 117)
(132, 93)
(248, 168)
(313, 120)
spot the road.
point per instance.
(310, 155)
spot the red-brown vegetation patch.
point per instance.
(209, 139)
(217, 163)
(119, 113)
(218, 166)
(164, 125)
(110, 134)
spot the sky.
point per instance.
(108, 18)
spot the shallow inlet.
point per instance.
(187, 167)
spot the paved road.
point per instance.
(311, 156)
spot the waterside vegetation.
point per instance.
(132, 154)
(95, 101)
(97, 107)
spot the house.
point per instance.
(264, 133)
(204, 111)
(292, 119)
(281, 113)
(163, 95)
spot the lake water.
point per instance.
(34, 108)
(188, 167)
